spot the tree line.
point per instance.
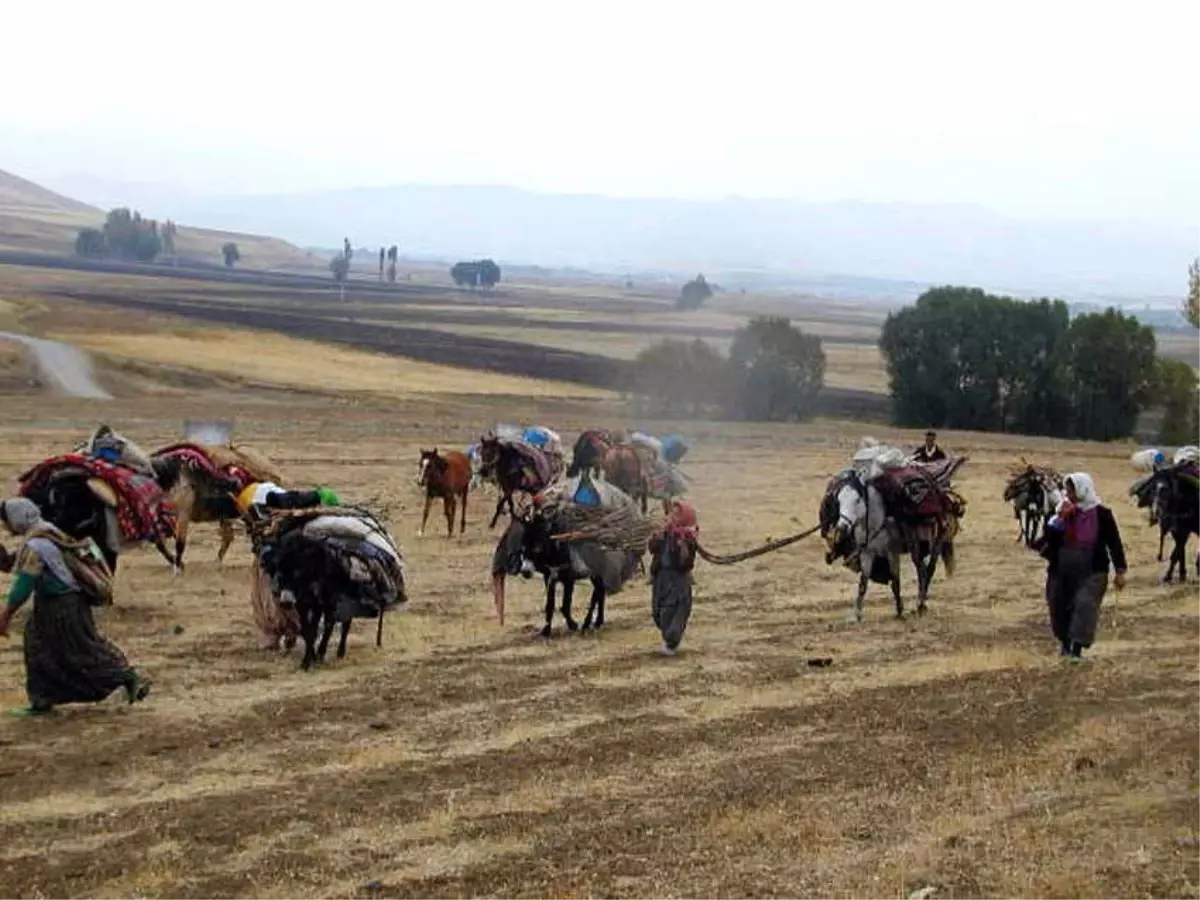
(127, 234)
(962, 358)
(773, 372)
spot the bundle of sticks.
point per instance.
(618, 528)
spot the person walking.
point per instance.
(1081, 542)
(66, 659)
(674, 555)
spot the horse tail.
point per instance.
(167, 471)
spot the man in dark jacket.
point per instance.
(929, 451)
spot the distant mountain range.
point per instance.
(885, 250)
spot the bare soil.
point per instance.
(954, 751)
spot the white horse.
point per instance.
(856, 526)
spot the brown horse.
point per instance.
(447, 476)
(200, 495)
(627, 467)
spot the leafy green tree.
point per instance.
(780, 368)
(489, 273)
(1176, 390)
(393, 253)
(130, 236)
(231, 253)
(1111, 368)
(90, 242)
(694, 294)
(465, 274)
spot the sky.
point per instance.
(1077, 111)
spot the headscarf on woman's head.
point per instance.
(682, 521)
(1085, 490)
(20, 514)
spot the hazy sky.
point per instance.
(1080, 110)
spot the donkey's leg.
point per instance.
(462, 525)
(448, 503)
(550, 605)
(929, 568)
(226, 528)
(568, 600)
(894, 561)
(1162, 540)
(863, 582)
(599, 596)
(341, 650)
(594, 618)
(309, 616)
(326, 616)
(425, 515)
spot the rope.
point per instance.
(717, 560)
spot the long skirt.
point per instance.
(671, 604)
(274, 622)
(66, 659)
(1074, 593)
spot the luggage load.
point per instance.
(1188, 454)
(673, 448)
(1147, 460)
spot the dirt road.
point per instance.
(67, 369)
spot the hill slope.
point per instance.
(37, 220)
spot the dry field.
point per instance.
(953, 751)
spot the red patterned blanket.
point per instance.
(144, 511)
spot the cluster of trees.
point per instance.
(1191, 306)
(961, 358)
(694, 294)
(391, 255)
(127, 235)
(481, 273)
(774, 372)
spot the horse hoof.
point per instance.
(420, 532)
(545, 632)
(921, 610)
(572, 625)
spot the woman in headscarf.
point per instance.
(66, 659)
(674, 555)
(1080, 544)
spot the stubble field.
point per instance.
(953, 751)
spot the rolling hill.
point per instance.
(37, 220)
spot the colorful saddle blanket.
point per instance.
(144, 511)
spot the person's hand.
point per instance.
(1119, 581)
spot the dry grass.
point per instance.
(268, 358)
(463, 759)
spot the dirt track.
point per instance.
(954, 751)
(68, 370)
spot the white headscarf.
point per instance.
(1085, 490)
(20, 514)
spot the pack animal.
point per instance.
(319, 584)
(858, 527)
(1172, 497)
(447, 476)
(587, 456)
(202, 493)
(628, 468)
(1034, 493)
(83, 507)
(527, 548)
(509, 467)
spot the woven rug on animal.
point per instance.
(241, 464)
(144, 511)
